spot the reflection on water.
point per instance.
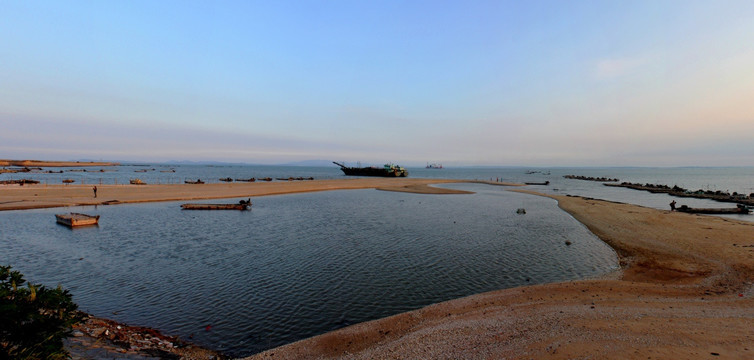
(298, 265)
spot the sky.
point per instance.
(498, 83)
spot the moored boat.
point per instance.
(538, 183)
(241, 205)
(388, 170)
(198, 181)
(77, 219)
(740, 209)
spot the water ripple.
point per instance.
(299, 265)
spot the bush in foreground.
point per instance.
(35, 319)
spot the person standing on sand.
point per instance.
(672, 206)
(95, 191)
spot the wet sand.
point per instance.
(684, 291)
(15, 197)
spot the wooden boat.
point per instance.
(247, 180)
(538, 183)
(226, 179)
(242, 205)
(68, 181)
(137, 182)
(198, 181)
(740, 209)
(77, 219)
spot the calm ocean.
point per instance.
(303, 264)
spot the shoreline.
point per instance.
(37, 196)
(684, 290)
(682, 278)
(49, 163)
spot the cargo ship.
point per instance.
(388, 170)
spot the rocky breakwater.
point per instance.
(722, 196)
(590, 178)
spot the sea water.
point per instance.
(303, 264)
(299, 265)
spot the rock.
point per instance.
(78, 333)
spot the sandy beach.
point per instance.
(15, 197)
(684, 291)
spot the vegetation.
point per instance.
(35, 319)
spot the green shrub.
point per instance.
(34, 320)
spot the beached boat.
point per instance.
(198, 181)
(247, 180)
(242, 205)
(68, 181)
(136, 182)
(388, 170)
(740, 209)
(77, 219)
(227, 179)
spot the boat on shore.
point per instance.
(241, 205)
(740, 209)
(388, 170)
(77, 219)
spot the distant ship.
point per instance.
(388, 170)
(434, 166)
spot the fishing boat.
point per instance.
(136, 182)
(739, 209)
(242, 205)
(77, 219)
(247, 180)
(538, 183)
(226, 179)
(388, 170)
(198, 181)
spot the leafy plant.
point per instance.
(34, 319)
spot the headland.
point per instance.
(48, 163)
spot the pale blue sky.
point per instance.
(533, 83)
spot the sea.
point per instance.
(300, 265)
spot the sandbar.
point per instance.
(684, 291)
(15, 197)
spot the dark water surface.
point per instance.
(298, 265)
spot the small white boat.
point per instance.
(77, 219)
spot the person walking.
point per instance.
(95, 191)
